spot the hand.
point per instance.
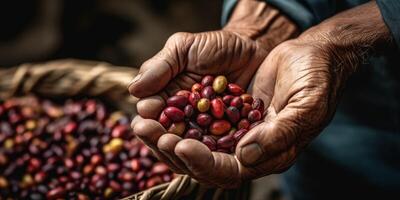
(183, 61)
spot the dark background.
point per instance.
(123, 32)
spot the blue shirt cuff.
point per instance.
(390, 10)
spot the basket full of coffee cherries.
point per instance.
(215, 112)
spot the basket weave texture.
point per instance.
(76, 78)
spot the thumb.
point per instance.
(267, 140)
(155, 73)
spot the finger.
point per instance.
(149, 131)
(150, 107)
(166, 144)
(156, 72)
(218, 168)
(277, 134)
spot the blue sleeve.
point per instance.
(390, 10)
(305, 13)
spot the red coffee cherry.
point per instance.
(217, 108)
(204, 119)
(233, 114)
(193, 134)
(247, 98)
(197, 87)
(227, 99)
(239, 134)
(226, 142)
(208, 92)
(174, 113)
(184, 93)
(237, 102)
(209, 142)
(254, 116)
(177, 101)
(207, 80)
(245, 110)
(194, 98)
(235, 89)
(164, 120)
(188, 110)
(258, 104)
(243, 124)
(219, 127)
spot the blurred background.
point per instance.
(121, 32)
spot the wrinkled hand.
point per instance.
(300, 82)
(184, 60)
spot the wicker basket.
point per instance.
(76, 78)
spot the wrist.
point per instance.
(352, 35)
(262, 23)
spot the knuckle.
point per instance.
(179, 37)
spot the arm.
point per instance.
(307, 77)
(261, 22)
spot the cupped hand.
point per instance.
(184, 60)
(300, 82)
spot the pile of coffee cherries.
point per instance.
(77, 150)
(214, 112)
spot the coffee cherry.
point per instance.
(209, 142)
(159, 169)
(220, 127)
(254, 116)
(194, 98)
(188, 110)
(116, 145)
(207, 80)
(217, 108)
(237, 102)
(247, 98)
(174, 113)
(235, 89)
(208, 92)
(204, 119)
(203, 105)
(233, 114)
(193, 134)
(177, 128)
(219, 84)
(164, 120)
(226, 142)
(258, 104)
(245, 110)
(239, 134)
(227, 99)
(177, 101)
(184, 93)
(197, 87)
(243, 124)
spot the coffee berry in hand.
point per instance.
(214, 111)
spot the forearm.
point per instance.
(261, 22)
(353, 35)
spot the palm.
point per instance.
(187, 57)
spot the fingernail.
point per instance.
(134, 80)
(250, 154)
